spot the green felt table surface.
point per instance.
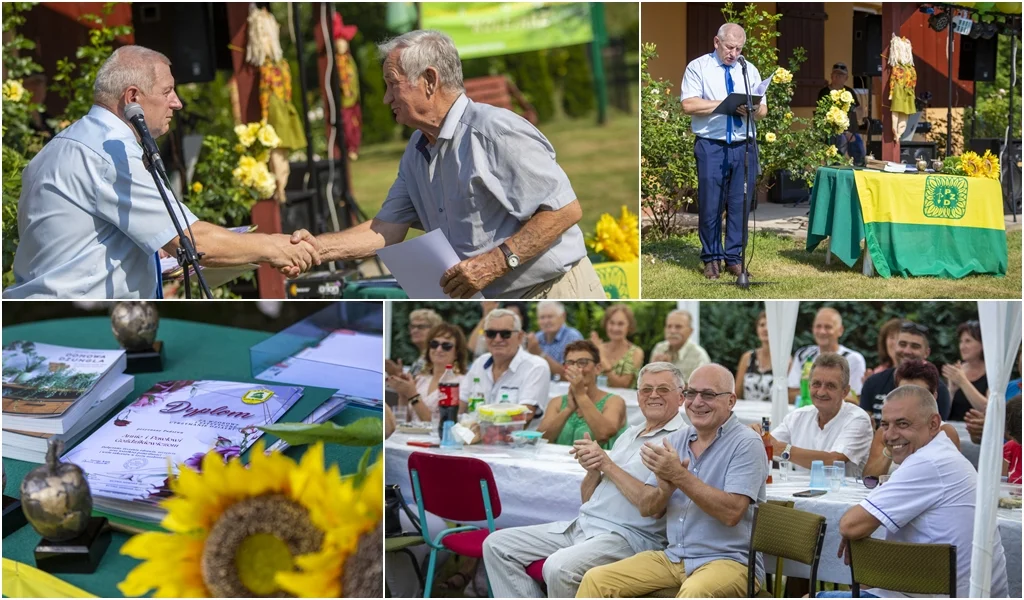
(191, 351)
(835, 213)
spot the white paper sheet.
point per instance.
(762, 87)
(419, 263)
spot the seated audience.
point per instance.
(586, 409)
(477, 339)
(508, 372)
(912, 344)
(447, 346)
(1011, 449)
(609, 527)
(677, 347)
(828, 430)
(827, 329)
(967, 381)
(621, 359)
(888, 336)
(421, 321)
(754, 372)
(549, 343)
(930, 499)
(910, 372)
(705, 480)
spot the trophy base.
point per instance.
(79, 555)
(149, 360)
(14, 517)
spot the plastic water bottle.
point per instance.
(476, 395)
(448, 404)
(805, 385)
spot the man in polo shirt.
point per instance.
(678, 348)
(827, 329)
(720, 147)
(508, 372)
(549, 343)
(609, 526)
(830, 429)
(912, 344)
(707, 497)
(930, 499)
(483, 175)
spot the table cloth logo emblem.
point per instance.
(135, 464)
(945, 197)
(257, 396)
(614, 281)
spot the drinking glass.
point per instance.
(835, 478)
(783, 471)
(840, 473)
(401, 413)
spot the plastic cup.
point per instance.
(448, 439)
(401, 413)
(834, 479)
(818, 477)
(783, 471)
(840, 472)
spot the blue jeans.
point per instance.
(843, 595)
(720, 187)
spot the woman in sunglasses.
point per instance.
(446, 346)
(585, 409)
(911, 372)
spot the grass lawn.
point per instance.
(670, 270)
(602, 163)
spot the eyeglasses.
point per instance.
(581, 363)
(705, 395)
(446, 346)
(504, 333)
(663, 390)
(913, 327)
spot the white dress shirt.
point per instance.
(848, 433)
(525, 382)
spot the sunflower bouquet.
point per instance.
(616, 239)
(970, 164)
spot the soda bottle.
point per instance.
(448, 404)
(768, 449)
(476, 395)
(805, 384)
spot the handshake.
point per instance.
(296, 253)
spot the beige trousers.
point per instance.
(652, 571)
(580, 282)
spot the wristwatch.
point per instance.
(511, 258)
(785, 453)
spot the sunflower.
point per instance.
(273, 528)
(971, 164)
(990, 165)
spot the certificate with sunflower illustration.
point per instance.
(175, 424)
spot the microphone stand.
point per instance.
(187, 255)
(743, 280)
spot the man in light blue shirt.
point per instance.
(549, 343)
(720, 147)
(90, 217)
(484, 176)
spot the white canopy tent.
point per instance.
(1001, 335)
(781, 316)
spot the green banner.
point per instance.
(496, 28)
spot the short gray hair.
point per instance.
(925, 399)
(126, 67)
(661, 367)
(729, 30)
(552, 303)
(426, 48)
(831, 360)
(503, 312)
(685, 313)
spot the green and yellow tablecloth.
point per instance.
(912, 224)
(192, 351)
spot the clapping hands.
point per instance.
(590, 455)
(663, 460)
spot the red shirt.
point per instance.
(1011, 453)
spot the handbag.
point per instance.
(394, 506)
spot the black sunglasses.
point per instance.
(912, 327)
(493, 333)
(446, 346)
(870, 482)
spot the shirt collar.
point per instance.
(451, 120)
(718, 61)
(512, 366)
(561, 333)
(722, 429)
(103, 114)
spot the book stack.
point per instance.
(57, 392)
(131, 458)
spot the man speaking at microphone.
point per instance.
(720, 146)
(90, 217)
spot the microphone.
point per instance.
(135, 115)
(742, 61)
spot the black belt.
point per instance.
(723, 142)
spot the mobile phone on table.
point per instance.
(423, 444)
(809, 494)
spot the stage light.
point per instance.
(939, 21)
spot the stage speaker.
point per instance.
(911, 152)
(787, 189)
(977, 59)
(867, 44)
(193, 35)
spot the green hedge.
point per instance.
(727, 328)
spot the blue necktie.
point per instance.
(731, 118)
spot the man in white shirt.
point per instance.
(508, 371)
(828, 430)
(677, 347)
(930, 498)
(827, 329)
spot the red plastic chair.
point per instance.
(459, 489)
(536, 570)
